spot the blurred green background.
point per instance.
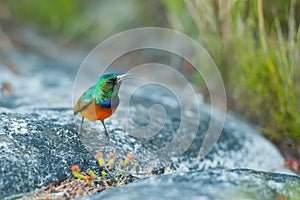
(255, 44)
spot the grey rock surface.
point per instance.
(36, 149)
(207, 185)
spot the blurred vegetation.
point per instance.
(54, 15)
(91, 21)
(255, 44)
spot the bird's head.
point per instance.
(110, 83)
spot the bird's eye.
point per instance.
(110, 81)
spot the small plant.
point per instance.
(111, 173)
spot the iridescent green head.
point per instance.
(108, 86)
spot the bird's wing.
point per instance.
(86, 99)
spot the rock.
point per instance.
(239, 146)
(208, 184)
(37, 149)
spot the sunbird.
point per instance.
(100, 101)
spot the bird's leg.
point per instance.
(81, 125)
(106, 132)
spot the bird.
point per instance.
(100, 101)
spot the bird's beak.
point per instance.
(123, 77)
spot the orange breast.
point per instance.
(95, 112)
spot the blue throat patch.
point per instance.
(106, 104)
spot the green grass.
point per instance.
(257, 56)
